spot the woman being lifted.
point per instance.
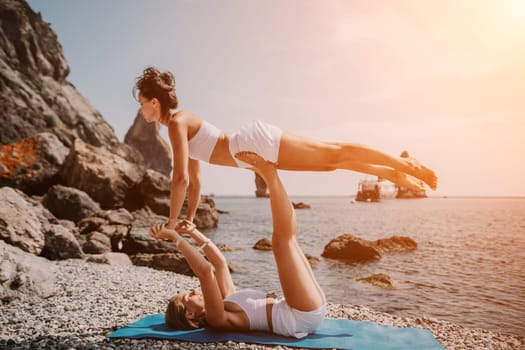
(193, 139)
(298, 312)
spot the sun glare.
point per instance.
(514, 9)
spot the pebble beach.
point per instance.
(92, 300)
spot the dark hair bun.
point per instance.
(168, 80)
(156, 84)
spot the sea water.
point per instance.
(468, 268)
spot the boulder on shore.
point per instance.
(153, 193)
(174, 262)
(26, 224)
(23, 220)
(96, 243)
(114, 224)
(115, 259)
(32, 164)
(22, 272)
(207, 215)
(69, 203)
(61, 244)
(105, 176)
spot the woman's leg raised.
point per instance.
(300, 288)
(300, 153)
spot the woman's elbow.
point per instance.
(207, 271)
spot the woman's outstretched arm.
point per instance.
(215, 257)
(215, 314)
(194, 188)
(177, 131)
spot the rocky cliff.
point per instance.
(69, 189)
(34, 93)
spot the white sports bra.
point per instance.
(253, 303)
(201, 145)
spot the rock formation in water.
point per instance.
(301, 205)
(263, 244)
(146, 139)
(350, 248)
(380, 280)
(266, 244)
(261, 190)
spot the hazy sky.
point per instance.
(443, 79)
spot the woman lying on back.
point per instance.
(298, 312)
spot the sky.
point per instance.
(442, 79)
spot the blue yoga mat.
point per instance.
(333, 333)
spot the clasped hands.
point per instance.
(161, 231)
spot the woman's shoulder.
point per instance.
(186, 120)
(181, 116)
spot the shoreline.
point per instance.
(93, 300)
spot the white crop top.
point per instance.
(201, 145)
(253, 303)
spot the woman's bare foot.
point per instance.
(409, 181)
(258, 163)
(422, 172)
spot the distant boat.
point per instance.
(403, 192)
(375, 190)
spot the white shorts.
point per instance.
(258, 137)
(290, 322)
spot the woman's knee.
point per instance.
(336, 154)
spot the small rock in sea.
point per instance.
(379, 280)
(301, 205)
(312, 260)
(263, 244)
(225, 248)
